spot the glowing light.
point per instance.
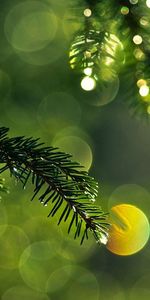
(88, 71)
(144, 21)
(133, 1)
(30, 26)
(141, 82)
(87, 54)
(88, 83)
(144, 90)
(137, 39)
(139, 54)
(129, 231)
(104, 239)
(87, 12)
(148, 3)
(124, 10)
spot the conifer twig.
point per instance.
(57, 179)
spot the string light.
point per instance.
(137, 39)
(88, 83)
(87, 12)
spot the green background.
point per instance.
(40, 96)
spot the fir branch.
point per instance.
(57, 179)
(95, 51)
(93, 47)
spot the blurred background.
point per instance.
(40, 96)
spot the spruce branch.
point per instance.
(96, 51)
(57, 179)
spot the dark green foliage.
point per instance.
(57, 179)
(94, 38)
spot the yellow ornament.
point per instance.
(129, 230)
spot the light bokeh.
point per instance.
(77, 147)
(13, 242)
(23, 292)
(129, 230)
(41, 96)
(30, 26)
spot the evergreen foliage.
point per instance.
(104, 27)
(57, 179)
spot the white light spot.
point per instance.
(144, 90)
(88, 71)
(74, 209)
(104, 238)
(88, 83)
(137, 39)
(87, 12)
(133, 1)
(148, 3)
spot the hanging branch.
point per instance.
(57, 179)
(93, 50)
(107, 29)
(135, 17)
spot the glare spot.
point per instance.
(144, 21)
(148, 3)
(104, 239)
(129, 231)
(133, 1)
(106, 90)
(139, 54)
(124, 10)
(141, 82)
(88, 71)
(88, 83)
(144, 90)
(87, 12)
(30, 26)
(137, 39)
(87, 54)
